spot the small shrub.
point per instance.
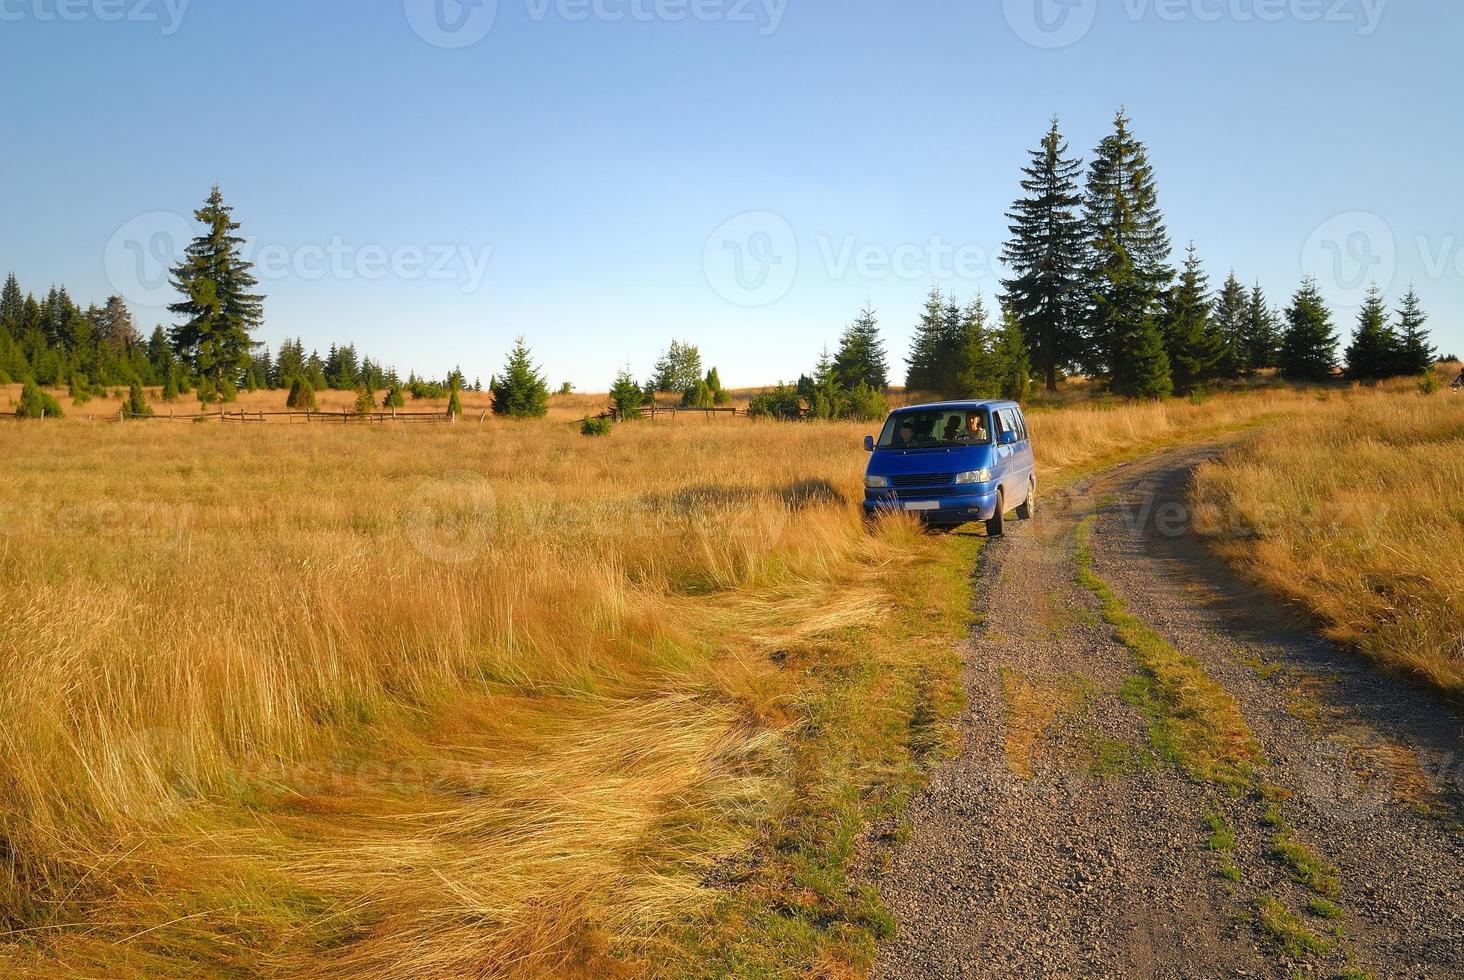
(780, 403)
(301, 397)
(36, 404)
(137, 405)
(596, 427)
(365, 401)
(1429, 384)
(866, 404)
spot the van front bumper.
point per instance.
(978, 506)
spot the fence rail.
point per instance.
(301, 417)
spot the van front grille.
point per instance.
(922, 480)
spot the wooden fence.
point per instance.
(305, 417)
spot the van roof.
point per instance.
(958, 406)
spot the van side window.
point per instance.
(1021, 424)
(998, 423)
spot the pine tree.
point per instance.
(952, 349)
(625, 395)
(1045, 254)
(1415, 353)
(1128, 265)
(36, 404)
(394, 398)
(12, 306)
(861, 356)
(826, 398)
(1010, 358)
(1188, 338)
(520, 391)
(925, 350)
(1373, 352)
(365, 401)
(980, 372)
(1227, 330)
(137, 405)
(1309, 347)
(301, 397)
(1262, 332)
(218, 304)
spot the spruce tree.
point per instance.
(37, 404)
(1227, 330)
(625, 395)
(1373, 353)
(365, 400)
(1045, 254)
(520, 391)
(137, 405)
(861, 356)
(1010, 358)
(1309, 347)
(925, 348)
(1415, 353)
(1262, 332)
(394, 398)
(219, 306)
(1128, 266)
(12, 306)
(979, 371)
(301, 397)
(1188, 338)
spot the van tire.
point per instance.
(996, 527)
(1024, 510)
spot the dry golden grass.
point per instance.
(1355, 510)
(483, 700)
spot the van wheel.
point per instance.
(996, 527)
(1024, 510)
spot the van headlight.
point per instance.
(876, 483)
(974, 476)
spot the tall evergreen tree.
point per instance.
(979, 372)
(1262, 332)
(1188, 338)
(1227, 329)
(1045, 254)
(952, 348)
(219, 307)
(1128, 266)
(1011, 363)
(1373, 353)
(861, 356)
(925, 348)
(520, 391)
(1309, 347)
(12, 305)
(1415, 352)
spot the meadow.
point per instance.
(1354, 511)
(491, 699)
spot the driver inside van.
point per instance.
(975, 428)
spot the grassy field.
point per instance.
(1355, 511)
(483, 700)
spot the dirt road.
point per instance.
(1066, 840)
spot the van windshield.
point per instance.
(933, 428)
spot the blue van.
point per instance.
(953, 463)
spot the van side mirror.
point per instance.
(1007, 438)
(869, 444)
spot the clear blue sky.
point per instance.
(595, 152)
